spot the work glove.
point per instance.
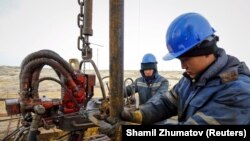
(133, 116)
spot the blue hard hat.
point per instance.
(148, 58)
(185, 32)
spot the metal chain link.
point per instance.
(80, 19)
(82, 40)
(84, 22)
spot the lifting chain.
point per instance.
(84, 22)
(85, 31)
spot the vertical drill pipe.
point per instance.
(116, 37)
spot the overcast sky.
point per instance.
(31, 25)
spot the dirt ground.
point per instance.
(9, 88)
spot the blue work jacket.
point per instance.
(221, 96)
(146, 90)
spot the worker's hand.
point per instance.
(126, 115)
(133, 116)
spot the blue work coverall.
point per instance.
(158, 85)
(221, 96)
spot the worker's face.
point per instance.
(148, 72)
(194, 65)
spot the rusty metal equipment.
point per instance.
(67, 113)
(76, 110)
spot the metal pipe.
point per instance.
(116, 37)
(87, 29)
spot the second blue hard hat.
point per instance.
(148, 62)
(148, 58)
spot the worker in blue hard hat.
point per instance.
(150, 82)
(215, 87)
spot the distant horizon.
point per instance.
(98, 69)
